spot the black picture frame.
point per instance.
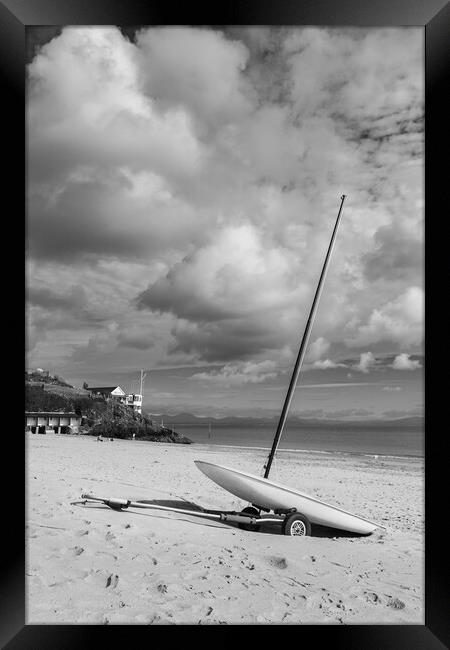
(433, 16)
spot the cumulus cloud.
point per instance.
(91, 135)
(239, 374)
(195, 68)
(99, 114)
(398, 254)
(399, 320)
(366, 362)
(86, 218)
(212, 342)
(404, 362)
(317, 349)
(234, 292)
(315, 353)
(325, 364)
(236, 273)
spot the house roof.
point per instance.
(104, 389)
(50, 414)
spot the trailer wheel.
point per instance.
(250, 510)
(297, 525)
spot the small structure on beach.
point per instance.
(51, 420)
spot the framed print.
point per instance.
(232, 239)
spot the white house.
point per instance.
(108, 391)
(115, 392)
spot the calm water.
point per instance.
(382, 439)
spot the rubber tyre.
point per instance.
(296, 525)
(249, 510)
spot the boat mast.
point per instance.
(304, 343)
(143, 375)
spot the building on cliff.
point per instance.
(133, 400)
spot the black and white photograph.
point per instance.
(225, 325)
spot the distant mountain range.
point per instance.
(246, 422)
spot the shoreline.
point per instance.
(311, 451)
(280, 450)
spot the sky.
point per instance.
(182, 187)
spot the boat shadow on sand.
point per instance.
(265, 529)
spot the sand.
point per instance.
(91, 564)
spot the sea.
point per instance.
(379, 439)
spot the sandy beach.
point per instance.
(90, 564)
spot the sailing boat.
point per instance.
(267, 495)
(294, 510)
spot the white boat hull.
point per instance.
(273, 496)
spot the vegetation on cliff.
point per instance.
(44, 377)
(120, 421)
(107, 418)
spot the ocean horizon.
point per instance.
(383, 440)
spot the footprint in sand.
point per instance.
(396, 603)
(372, 597)
(278, 562)
(112, 581)
(77, 550)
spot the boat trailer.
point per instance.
(250, 518)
